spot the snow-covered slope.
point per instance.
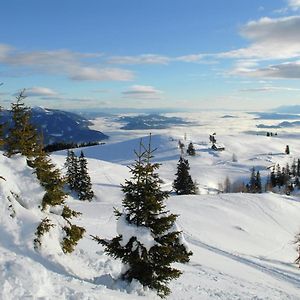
(242, 243)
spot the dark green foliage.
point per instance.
(191, 150)
(144, 208)
(254, 185)
(84, 185)
(73, 234)
(183, 184)
(69, 213)
(22, 136)
(72, 166)
(43, 227)
(62, 146)
(285, 179)
(77, 176)
(49, 177)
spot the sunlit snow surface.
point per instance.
(242, 243)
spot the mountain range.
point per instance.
(60, 126)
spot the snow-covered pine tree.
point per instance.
(22, 135)
(191, 150)
(83, 180)
(155, 242)
(51, 179)
(183, 184)
(72, 165)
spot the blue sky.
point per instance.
(188, 54)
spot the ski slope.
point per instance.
(242, 243)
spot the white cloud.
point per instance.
(155, 59)
(190, 58)
(289, 70)
(294, 4)
(151, 59)
(272, 38)
(143, 92)
(62, 62)
(269, 89)
(40, 92)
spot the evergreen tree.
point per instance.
(258, 183)
(298, 167)
(227, 185)
(144, 209)
(83, 185)
(273, 179)
(287, 150)
(294, 168)
(51, 179)
(252, 182)
(22, 135)
(191, 150)
(183, 184)
(72, 165)
(255, 182)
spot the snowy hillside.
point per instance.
(242, 243)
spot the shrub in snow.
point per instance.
(42, 228)
(287, 150)
(183, 184)
(191, 150)
(147, 241)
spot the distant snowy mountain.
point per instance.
(152, 121)
(61, 126)
(290, 109)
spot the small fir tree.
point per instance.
(84, 185)
(72, 166)
(287, 150)
(22, 135)
(144, 209)
(183, 184)
(191, 150)
(254, 185)
(258, 183)
(227, 185)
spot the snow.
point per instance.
(242, 244)
(127, 231)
